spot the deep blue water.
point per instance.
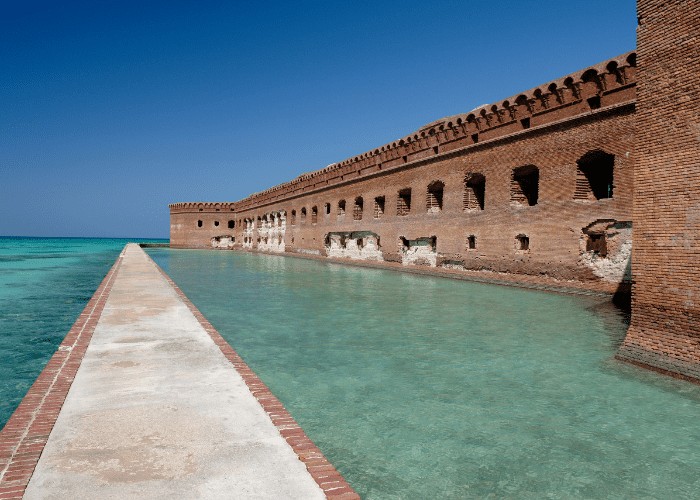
(44, 285)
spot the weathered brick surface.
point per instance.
(665, 328)
(551, 127)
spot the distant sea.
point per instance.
(44, 285)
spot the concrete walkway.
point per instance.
(157, 411)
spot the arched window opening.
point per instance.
(341, 208)
(357, 208)
(199, 223)
(434, 199)
(314, 214)
(524, 187)
(403, 202)
(474, 191)
(327, 208)
(594, 176)
(303, 215)
(216, 223)
(294, 217)
(231, 224)
(471, 242)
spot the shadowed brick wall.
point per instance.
(665, 328)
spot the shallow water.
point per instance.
(44, 285)
(421, 387)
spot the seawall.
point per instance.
(144, 397)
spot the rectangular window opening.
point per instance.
(522, 243)
(594, 176)
(524, 188)
(474, 191)
(403, 202)
(597, 244)
(379, 202)
(434, 197)
(357, 209)
(594, 102)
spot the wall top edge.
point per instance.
(609, 75)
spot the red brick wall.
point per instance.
(665, 328)
(185, 231)
(591, 110)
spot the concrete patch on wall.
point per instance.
(421, 251)
(309, 251)
(358, 245)
(606, 248)
(271, 229)
(225, 242)
(248, 233)
(454, 264)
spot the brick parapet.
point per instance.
(612, 82)
(200, 206)
(617, 109)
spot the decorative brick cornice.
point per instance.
(200, 206)
(566, 97)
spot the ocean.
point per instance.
(44, 285)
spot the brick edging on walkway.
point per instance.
(324, 473)
(25, 434)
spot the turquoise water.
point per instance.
(44, 285)
(420, 387)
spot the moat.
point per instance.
(418, 387)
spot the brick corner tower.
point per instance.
(664, 333)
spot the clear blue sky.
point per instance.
(110, 110)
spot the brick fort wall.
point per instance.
(539, 185)
(665, 327)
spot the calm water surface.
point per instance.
(420, 387)
(44, 285)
